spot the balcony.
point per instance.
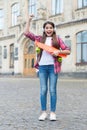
(57, 18)
(80, 14)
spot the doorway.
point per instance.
(29, 59)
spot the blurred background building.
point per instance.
(17, 53)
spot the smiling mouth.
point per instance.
(49, 32)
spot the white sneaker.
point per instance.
(52, 116)
(43, 116)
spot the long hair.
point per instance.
(54, 36)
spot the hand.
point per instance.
(56, 53)
(30, 17)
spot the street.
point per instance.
(20, 105)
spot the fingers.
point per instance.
(31, 16)
(55, 53)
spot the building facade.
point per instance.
(17, 53)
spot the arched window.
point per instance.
(31, 50)
(82, 47)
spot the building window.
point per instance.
(31, 50)
(32, 63)
(28, 63)
(82, 47)
(82, 3)
(68, 43)
(5, 52)
(25, 63)
(11, 55)
(1, 18)
(57, 7)
(15, 13)
(16, 51)
(32, 7)
(0, 56)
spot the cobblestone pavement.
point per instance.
(20, 107)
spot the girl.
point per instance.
(49, 66)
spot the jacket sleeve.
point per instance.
(63, 46)
(32, 36)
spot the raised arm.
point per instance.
(27, 31)
(27, 26)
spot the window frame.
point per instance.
(81, 46)
(5, 52)
(1, 19)
(0, 56)
(15, 12)
(12, 55)
(57, 4)
(81, 4)
(32, 7)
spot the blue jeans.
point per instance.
(48, 77)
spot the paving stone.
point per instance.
(20, 105)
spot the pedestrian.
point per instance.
(49, 66)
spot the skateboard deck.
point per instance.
(49, 49)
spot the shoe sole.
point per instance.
(42, 119)
(52, 120)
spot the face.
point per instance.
(49, 30)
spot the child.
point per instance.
(49, 67)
